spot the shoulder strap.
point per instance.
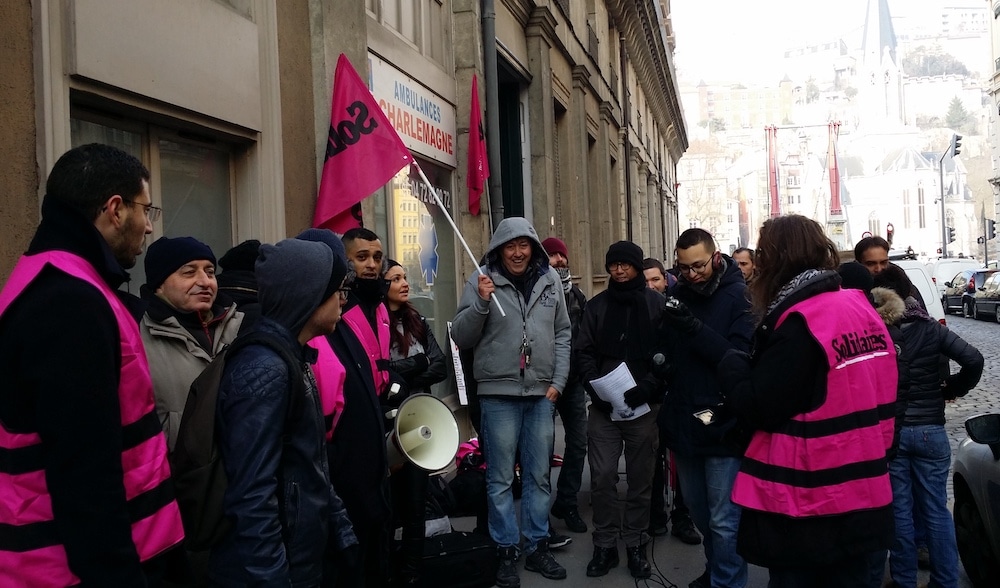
(295, 372)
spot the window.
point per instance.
(190, 178)
(921, 211)
(907, 208)
(874, 224)
(425, 24)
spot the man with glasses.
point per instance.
(709, 309)
(86, 485)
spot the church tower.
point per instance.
(880, 76)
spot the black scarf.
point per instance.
(627, 331)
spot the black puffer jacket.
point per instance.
(925, 339)
(279, 495)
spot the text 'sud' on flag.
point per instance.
(479, 168)
(363, 152)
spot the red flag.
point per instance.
(479, 168)
(363, 152)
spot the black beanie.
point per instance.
(166, 255)
(242, 257)
(626, 251)
(854, 276)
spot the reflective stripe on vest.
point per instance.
(376, 345)
(330, 376)
(831, 460)
(30, 551)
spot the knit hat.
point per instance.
(331, 240)
(626, 251)
(242, 257)
(166, 255)
(854, 276)
(554, 245)
(294, 279)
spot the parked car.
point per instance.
(986, 301)
(960, 291)
(944, 269)
(921, 278)
(977, 500)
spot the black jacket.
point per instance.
(419, 376)
(357, 454)
(587, 358)
(925, 340)
(279, 495)
(60, 362)
(694, 382)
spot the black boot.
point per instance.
(637, 563)
(683, 528)
(604, 559)
(507, 568)
(541, 561)
(571, 515)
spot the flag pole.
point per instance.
(451, 222)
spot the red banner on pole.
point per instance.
(772, 169)
(479, 167)
(363, 152)
(834, 169)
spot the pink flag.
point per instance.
(479, 168)
(363, 152)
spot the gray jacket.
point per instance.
(541, 320)
(176, 359)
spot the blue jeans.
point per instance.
(919, 477)
(707, 483)
(507, 425)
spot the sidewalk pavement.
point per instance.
(675, 564)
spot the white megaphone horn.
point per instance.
(425, 433)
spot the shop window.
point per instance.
(190, 178)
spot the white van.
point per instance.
(944, 269)
(921, 278)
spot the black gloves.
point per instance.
(676, 314)
(420, 361)
(595, 400)
(645, 391)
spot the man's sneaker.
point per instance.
(556, 540)
(507, 568)
(541, 561)
(571, 516)
(684, 530)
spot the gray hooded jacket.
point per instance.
(541, 321)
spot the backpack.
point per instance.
(198, 473)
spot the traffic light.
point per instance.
(889, 230)
(951, 234)
(991, 229)
(956, 145)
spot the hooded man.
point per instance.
(521, 366)
(270, 429)
(184, 327)
(572, 404)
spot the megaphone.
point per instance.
(425, 433)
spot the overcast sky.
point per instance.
(743, 40)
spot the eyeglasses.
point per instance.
(697, 267)
(619, 265)
(152, 212)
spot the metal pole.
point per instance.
(986, 242)
(944, 225)
(492, 112)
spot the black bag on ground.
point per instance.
(458, 560)
(198, 474)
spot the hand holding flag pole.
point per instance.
(458, 233)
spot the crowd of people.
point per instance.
(794, 404)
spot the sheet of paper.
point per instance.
(463, 396)
(611, 387)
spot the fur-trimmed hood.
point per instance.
(889, 305)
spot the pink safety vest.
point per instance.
(842, 442)
(330, 375)
(376, 344)
(25, 503)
